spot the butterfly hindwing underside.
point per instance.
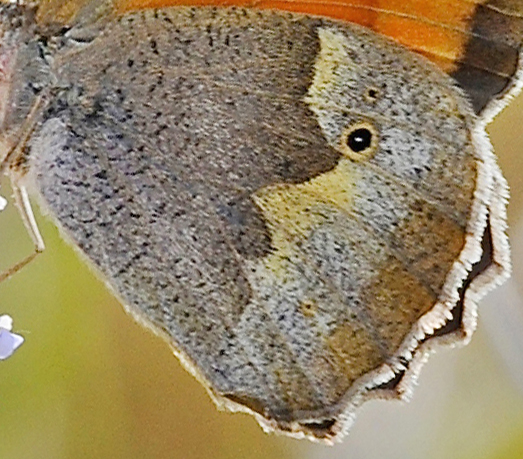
(297, 205)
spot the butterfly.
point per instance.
(300, 198)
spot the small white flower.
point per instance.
(9, 342)
(3, 203)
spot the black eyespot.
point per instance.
(359, 139)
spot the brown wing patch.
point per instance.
(476, 41)
(355, 352)
(488, 66)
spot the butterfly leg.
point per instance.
(10, 165)
(26, 213)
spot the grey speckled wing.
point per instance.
(294, 204)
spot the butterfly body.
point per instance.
(293, 202)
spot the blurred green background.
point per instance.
(90, 383)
